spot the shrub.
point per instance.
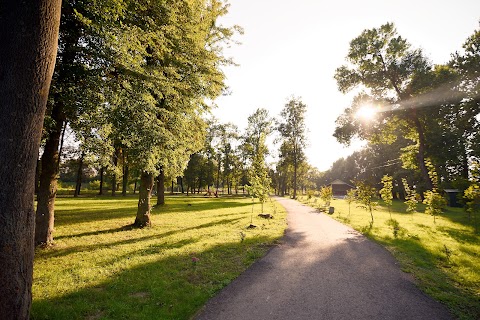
(435, 203)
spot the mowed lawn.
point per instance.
(99, 268)
(444, 256)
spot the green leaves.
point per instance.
(386, 191)
(410, 196)
(435, 203)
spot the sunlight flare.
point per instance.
(366, 112)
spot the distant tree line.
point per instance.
(227, 161)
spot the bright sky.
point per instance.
(293, 48)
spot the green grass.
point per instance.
(101, 269)
(444, 256)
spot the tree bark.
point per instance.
(27, 57)
(78, 184)
(161, 188)
(62, 139)
(44, 219)
(172, 188)
(37, 174)
(181, 185)
(465, 166)
(421, 152)
(144, 195)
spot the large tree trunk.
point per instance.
(44, 219)
(421, 152)
(27, 56)
(62, 139)
(37, 175)
(465, 165)
(51, 156)
(78, 184)
(145, 194)
(161, 188)
(181, 185)
(114, 175)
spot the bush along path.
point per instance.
(323, 270)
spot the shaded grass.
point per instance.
(444, 256)
(100, 269)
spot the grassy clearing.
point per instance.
(99, 269)
(443, 256)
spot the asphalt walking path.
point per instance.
(322, 270)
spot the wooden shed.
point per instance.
(340, 188)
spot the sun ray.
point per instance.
(366, 112)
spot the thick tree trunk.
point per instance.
(28, 37)
(78, 184)
(421, 152)
(181, 185)
(465, 166)
(44, 219)
(37, 175)
(171, 192)
(114, 185)
(161, 188)
(62, 139)
(114, 175)
(51, 156)
(144, 195)
(100, 192)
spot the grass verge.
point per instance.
(444, 256)
(100, 269)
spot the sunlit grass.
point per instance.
(101, 269)
(443, 256)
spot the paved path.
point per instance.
(322, 270)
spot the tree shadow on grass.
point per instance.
(429, 267)
(172, 287)
(461, 235)
(63, 218)
(53, 252)
(81, 215)
(200, 205)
